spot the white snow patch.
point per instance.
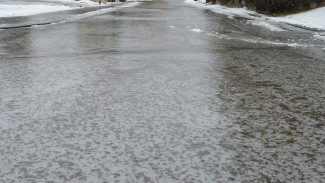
(196, 30)
(221, 9)
(25, 10)
(265, 24)
(83, 3)
(131, 4)
(93, 13)
(320, 37)
(312, 19)
(19, 9)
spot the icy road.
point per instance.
(162, 92)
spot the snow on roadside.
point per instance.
(93, 13)
(25, 10)
(221, 9)
(311, 19)
(256, 19)
(82, 3)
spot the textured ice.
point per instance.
(122, 97)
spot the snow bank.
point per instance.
(20, 8)
(221, 9)
(25, 10)
(80, 2)
(311, 19)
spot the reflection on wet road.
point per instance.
(162, 92)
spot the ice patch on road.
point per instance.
(92, 13)
(101, 11)
(131, 4)
(265, 24)
(260, 41)
(320, 36)
(26, 10)
(197, 30)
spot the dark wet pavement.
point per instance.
(161, 92)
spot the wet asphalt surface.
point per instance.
(161, 92)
